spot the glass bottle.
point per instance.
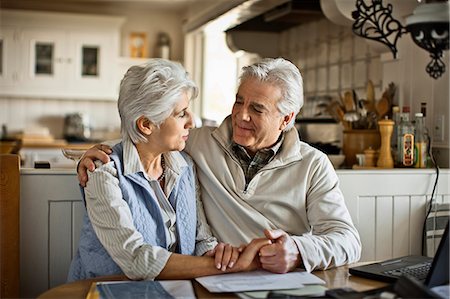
(423, 109)
(163, 46)
(420, 142)
(394, 137)
(405, 140)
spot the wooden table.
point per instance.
(334, 278)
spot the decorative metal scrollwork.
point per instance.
(375, 22)
(433, 38)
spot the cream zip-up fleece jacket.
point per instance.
(298, 192)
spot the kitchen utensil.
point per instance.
(361, 108)
(370, 96)
(382, 107)
(351, 116)
(362, 122)
(337, 112)
(333, 109)
(349, 102)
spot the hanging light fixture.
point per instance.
(428, 25)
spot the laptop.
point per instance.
(431, 271)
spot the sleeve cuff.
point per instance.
(202, 247)
(161, 257)
(304, 263)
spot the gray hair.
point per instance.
(151, 90)
(284, 74)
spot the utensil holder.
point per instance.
(356, 141)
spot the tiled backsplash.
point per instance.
(21, 113)
(331, 58)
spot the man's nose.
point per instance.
(243, 113)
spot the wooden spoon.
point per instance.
(349, 102)
(370, 106)
(382, 107)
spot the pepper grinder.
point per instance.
(385, 157)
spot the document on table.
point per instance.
(257, 280)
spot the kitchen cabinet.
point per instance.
(52, 210)
(8, 67)
(59, 55)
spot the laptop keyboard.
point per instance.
(418, 271)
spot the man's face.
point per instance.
(257, 122)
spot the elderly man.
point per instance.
(259, 179)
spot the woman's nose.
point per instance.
(190, 122)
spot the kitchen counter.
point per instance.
(381, 171)
(50, 151)
(57, 143)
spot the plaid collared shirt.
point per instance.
(250, 165)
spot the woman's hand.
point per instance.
(225, 255)
(249, 257)
(97, 152)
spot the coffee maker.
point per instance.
(76, 127)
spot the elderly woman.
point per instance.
(144, 216)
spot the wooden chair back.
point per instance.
(9, 225)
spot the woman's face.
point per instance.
(174, 131)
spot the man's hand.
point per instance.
(97, 152)
(282, 255)
(248, 259)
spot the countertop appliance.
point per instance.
(317, 127)
(76, 127)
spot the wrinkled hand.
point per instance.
(97, 152)
(225, 255)
(248, 259)
(282, 255)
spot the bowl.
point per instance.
(336, 160)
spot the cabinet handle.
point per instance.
(69, 60)
(59, 60)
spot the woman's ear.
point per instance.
(145, 125)
(286, 120)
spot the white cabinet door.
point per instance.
(44, 56)
(93, 64)
(8, 67)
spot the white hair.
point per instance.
(151, 90)
(284, 74)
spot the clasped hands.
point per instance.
(277, 252)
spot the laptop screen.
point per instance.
(439, 271)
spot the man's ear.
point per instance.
(286, 120)
(145, 125)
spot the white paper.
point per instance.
(256, 281)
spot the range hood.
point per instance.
(284, 16)
(254, 25)
(260, 34)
